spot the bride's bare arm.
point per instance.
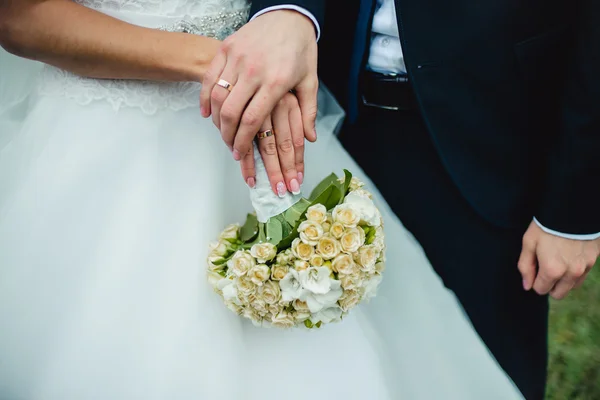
(89, 43)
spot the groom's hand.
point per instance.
(271, 55)
(555, 265)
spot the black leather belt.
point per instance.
(387, 91)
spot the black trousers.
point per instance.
(475, 259)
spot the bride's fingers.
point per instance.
(268, 151)
(248, 169)
(298, 140)
(285, 146)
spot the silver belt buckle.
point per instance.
(368, 104)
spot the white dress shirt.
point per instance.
(385, 56)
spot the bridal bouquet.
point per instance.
(306, 266)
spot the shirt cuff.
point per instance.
(591, 236)
(301, 10)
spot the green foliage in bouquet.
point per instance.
(282, 229)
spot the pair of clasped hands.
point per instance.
(262, 85)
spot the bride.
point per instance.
(111, 187)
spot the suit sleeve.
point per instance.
(314, 7)
(571, 203)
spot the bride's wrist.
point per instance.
(203, 53)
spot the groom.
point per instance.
(480, 124)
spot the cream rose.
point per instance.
(284, 320)
(380, 267)
(300, 306)
(328, 247)
(352, 239)
(350, 282)
(260, 306)
(346, 215)
(302, 250)
(337, 230)
(326, 226)
(241, 263)
(301, 265)
(285, 257)
(213, 279)
(216, 263)
(364, 206)
(278, 272)
(263, 252)
(234, 307)
(316, 261)
(349, 300)
(356, 183)
(344, 264)
(231, 232)
(367, 257)
(246, 287)
(317, 213)
(270, 292)
(219, 248)
(259, 274)
(310, 232)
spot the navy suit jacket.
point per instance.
(509, 90)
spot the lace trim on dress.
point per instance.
(149, 96)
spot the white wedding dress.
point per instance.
(110, 192)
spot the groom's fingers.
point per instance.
(307, 93)
(210, 80)
(528, 264)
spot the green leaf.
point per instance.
(347, 181)
(295, 212)
(249, 231)
(322, 186)
(330, 197)
(274, 231)
(308, 323)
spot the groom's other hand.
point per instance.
(274, 53)
(553, 264)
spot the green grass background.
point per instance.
(574, 368)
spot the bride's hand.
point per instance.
(282, 152)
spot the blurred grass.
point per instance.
(574, 369)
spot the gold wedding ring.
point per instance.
(224, 84)
(264, 134)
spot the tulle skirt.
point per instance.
(105, 218)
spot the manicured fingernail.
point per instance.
(281, 189)
(202, 111)
(295, 186)
(525, 284)
(300, 177)
(236, 155)
(251, 182)
(315, 133)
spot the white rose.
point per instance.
(326, 226)
(246, 287)
(346, 215)
(301, 265)
(259, 274)
(263, 252)
(328, 247)
(310, 232)
(213, 279)
(234, 307)
(252, 315)
(371, 285)
(317, 213)
(228, 287)
(216, 263)
(302, 250)
(367, 257)
(241, 263)
(284, 320)
(344, 264)
(260, 306)
(337, 230)
(291, 289)
(356, 183)
(219, 248)
(285, 257)
(380, 267)
(352, 239)
(350, 282)
(231, 232)
(364, 206)
(316, 261)
(270, 292)
(327, 315)
(300, 306)
(349, 300)
(275, 309)
(278, 272)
